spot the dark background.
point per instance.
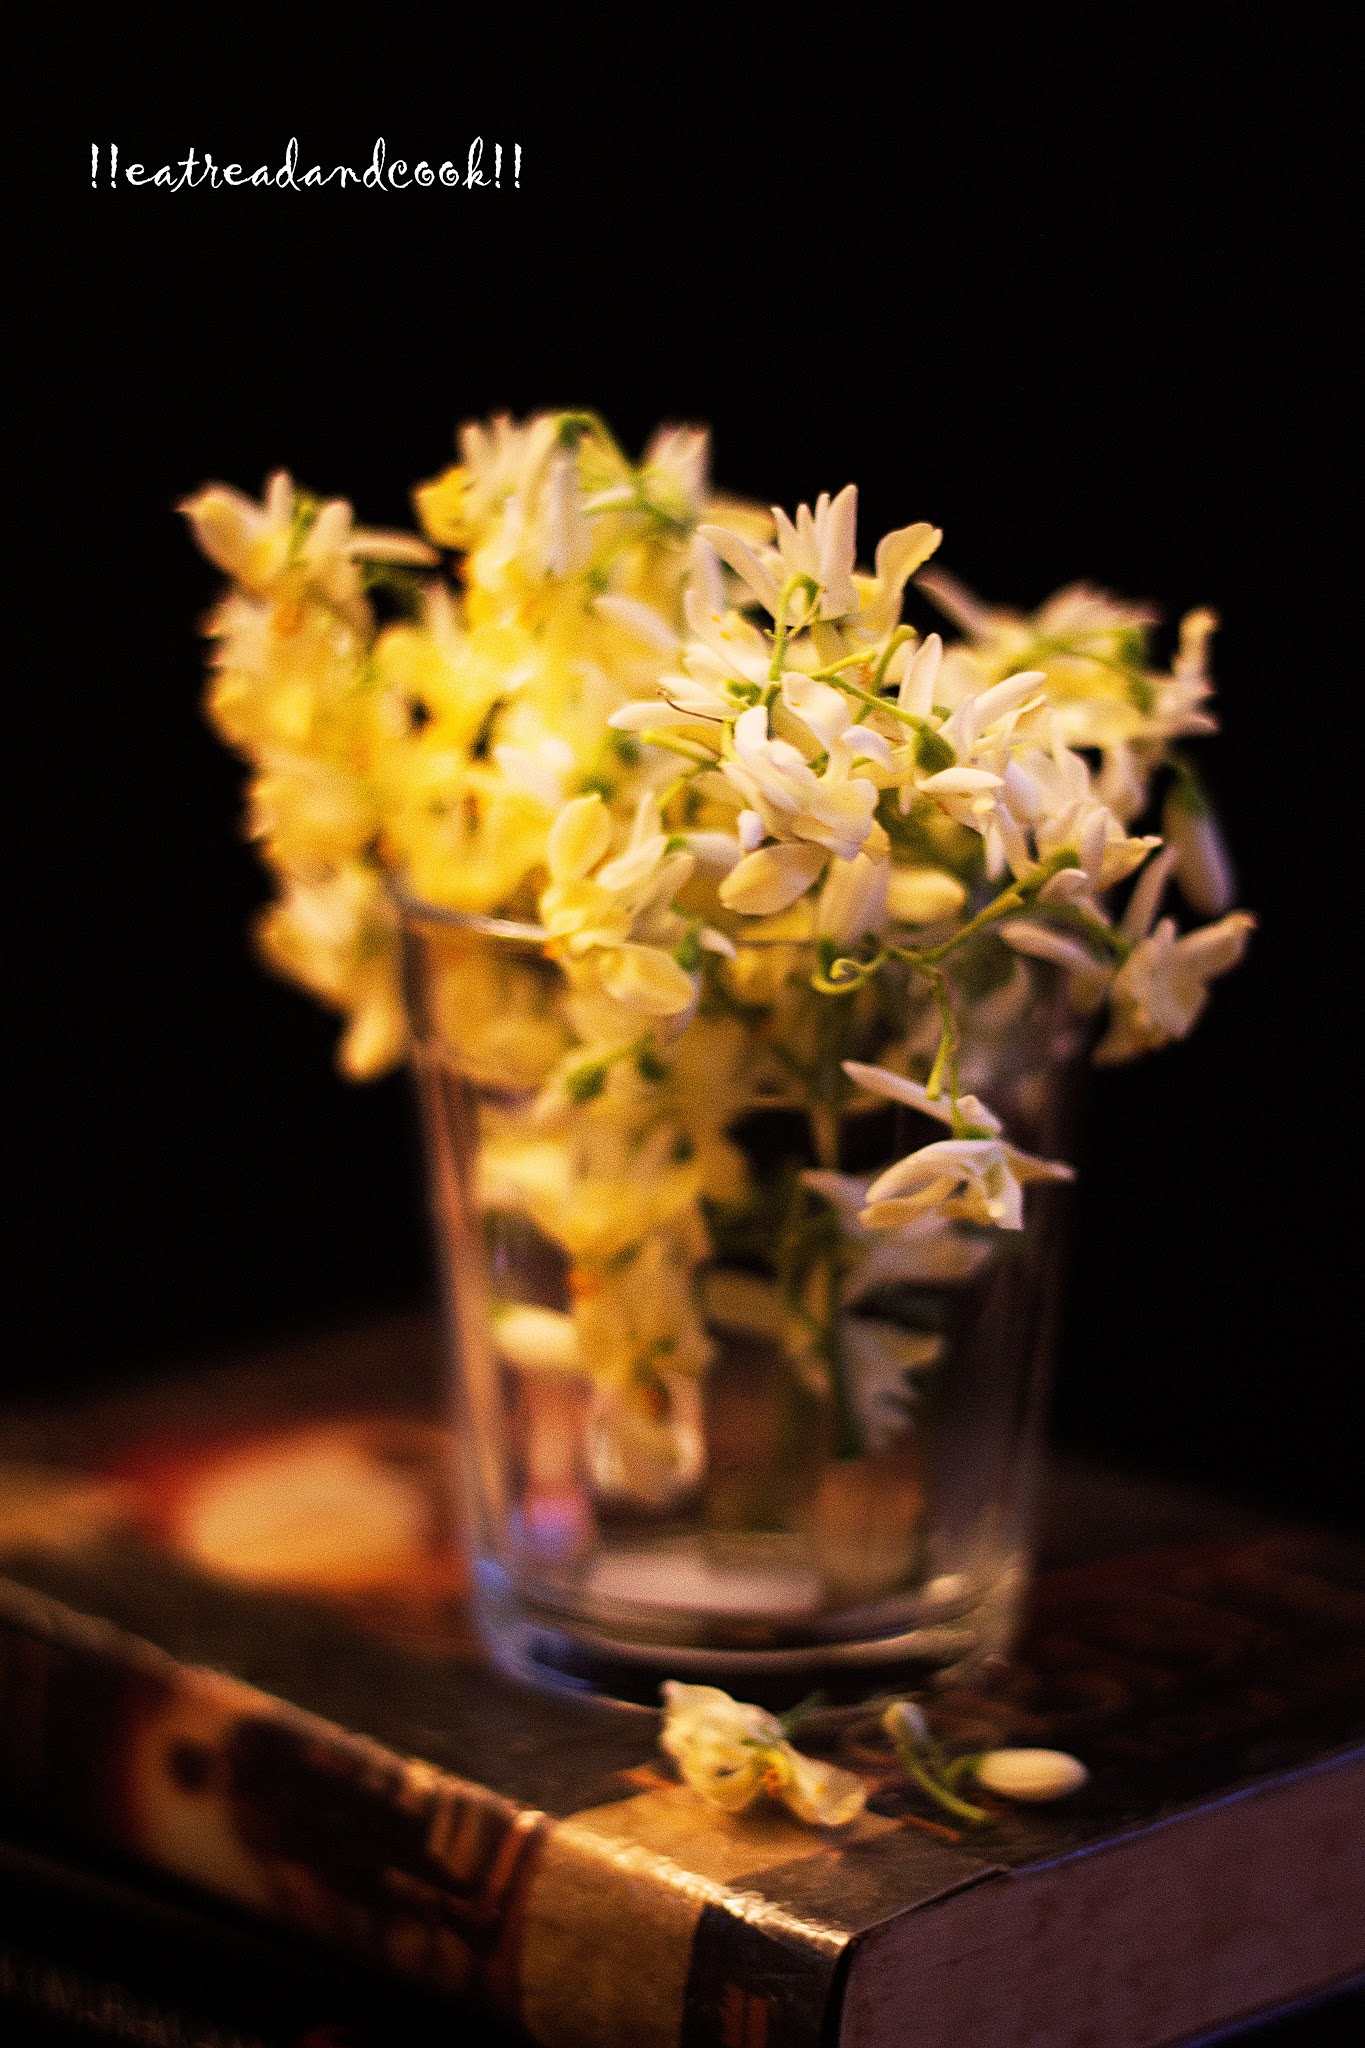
(1076, 296)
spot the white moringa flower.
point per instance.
(621, 915)
(1162, 988)
(1106, 855)
(641, 621)
(312, 814)
(1202, 868)
(725, 663)
(899, 556)
(1088, 977)
(579, 837)
(918, 895)
(828, 715)
(258, 544)
(927, 1250)
(1178, 700)
(1079, 621)
(979, 1180)
(1099, 684)
(959, 761)
(521, 507)
(853, 901)
(564, 534)
(675, 468)
(833, 809)
(822, 546)
(919, 674)
(499, 461)
(718, 851)
(978, 1177)
(730, 1753)
(1049, 791)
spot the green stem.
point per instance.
(844, 976)
(898, 639)
(945, 1059)
(804, 1247)
(832, 671)
(691, 750)
(1132, 674)
(1102, 936)
(782, 625)
(1013, 898)
(975, 1816)
(874, 703)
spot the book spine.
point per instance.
(585, 1941)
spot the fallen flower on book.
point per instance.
(1034, 1777)
(732, 1753)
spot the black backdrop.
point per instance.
(1075, 295)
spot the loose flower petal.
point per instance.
(1035, 1777)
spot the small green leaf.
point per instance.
(581, 1084)
(933, 753)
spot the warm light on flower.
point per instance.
(732, 1753)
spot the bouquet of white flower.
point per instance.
(707, 869)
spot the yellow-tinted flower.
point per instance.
(619, 920)
(289, 536)
(310, 814)
(338, 937)
(731, 1753)
(498, 461)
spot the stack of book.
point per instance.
(244, 1722)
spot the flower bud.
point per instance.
(904, 1722)
(923, 895)
(1033, 1776)
(853, 900)
(578, 839)
(1202, 867)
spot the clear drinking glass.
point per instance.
(795, 1505)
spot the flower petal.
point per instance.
(772, 878)
(878, 1081)
(824, 1795)
(578, 838)
(647, 979)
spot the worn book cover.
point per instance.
(233, 1642)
